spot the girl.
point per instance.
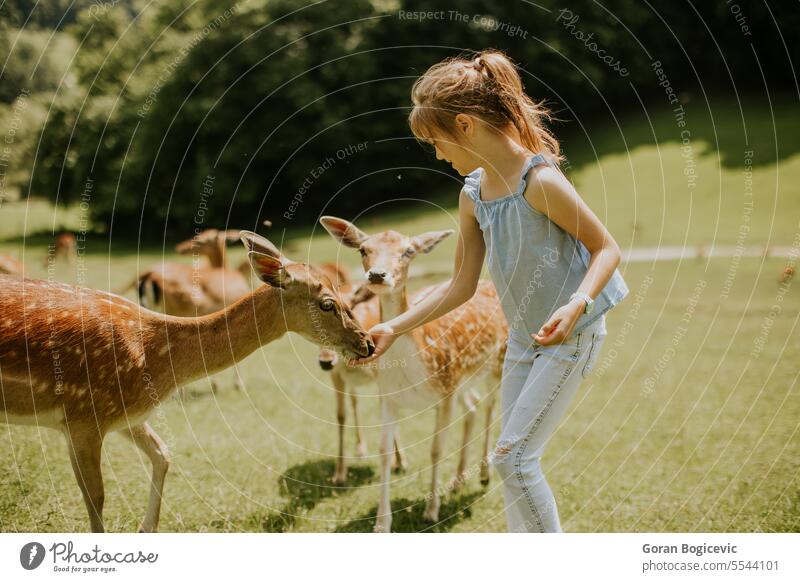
(553, 262)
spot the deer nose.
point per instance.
(326, 364)
(370, 348)
(376, 276)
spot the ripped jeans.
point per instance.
(538, 385)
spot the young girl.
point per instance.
(551, 259)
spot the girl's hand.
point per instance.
(383, 336)
(560, 324)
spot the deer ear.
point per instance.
(345, 232)
(269, 269)
(258, 244)
(426, 242)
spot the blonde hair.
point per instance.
(488, 87)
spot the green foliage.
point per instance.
(272, 98)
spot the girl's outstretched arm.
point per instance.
(551, 193)
(470, 252)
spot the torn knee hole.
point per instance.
(500, 452)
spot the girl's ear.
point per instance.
(465, 124)
(426, 242)
(345, 232)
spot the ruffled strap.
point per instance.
(534, 160)
(472, 185)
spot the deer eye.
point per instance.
(363, 251)
(410, 252)
(327, 305)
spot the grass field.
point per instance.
(688, 423)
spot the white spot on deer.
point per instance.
(81, 392)
(97, 353)
(164, 349)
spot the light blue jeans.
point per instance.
(539, 382)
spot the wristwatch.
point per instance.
(589, 301)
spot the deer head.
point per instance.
(385, 256)
(311, 305)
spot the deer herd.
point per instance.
(87, 363)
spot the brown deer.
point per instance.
(196, 289)
(433, 364)
(87, 363)
(64, 246)
(11, 266)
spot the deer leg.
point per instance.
(85, 446)
(399, 463)
(443, 413)
(361, 443)
(238, 383)
(491, 398)
(470, 404)
(151, 445)
(340, 474)
(383, 523)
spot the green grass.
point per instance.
(713, 445)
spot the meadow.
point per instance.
(689, 421)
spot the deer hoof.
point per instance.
(382, 527)
(339, 478)
(431, 514)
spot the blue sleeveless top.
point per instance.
(534, 263)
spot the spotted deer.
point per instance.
(434, 364)
(88, 363)
(347, 379)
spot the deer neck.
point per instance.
(216, 255)
(195, 347)
(394, 303)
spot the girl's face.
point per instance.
(459, 154)
(455, 154)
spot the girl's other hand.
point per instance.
(383, 336)
(560, 324)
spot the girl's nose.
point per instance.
(439, 155)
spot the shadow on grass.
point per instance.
(407, 515)
(305, 486)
